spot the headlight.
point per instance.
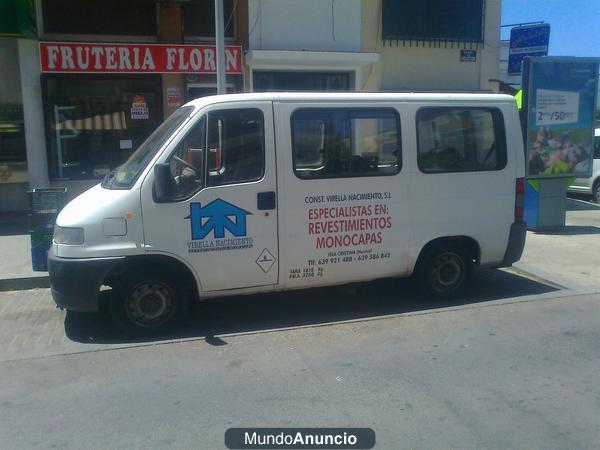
(68, 236)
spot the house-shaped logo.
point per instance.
(217, 216)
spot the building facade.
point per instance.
(95, 78)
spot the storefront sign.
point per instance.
(139, 109)
(74, 57)
(173, 97)
(560, 116)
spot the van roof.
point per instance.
(350, 96)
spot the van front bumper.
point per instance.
(75, 282)
(516, 244)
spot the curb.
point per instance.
(21, 284)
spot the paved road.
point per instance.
(496, 369)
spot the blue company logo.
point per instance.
(217, 216)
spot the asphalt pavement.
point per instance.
(508, 373)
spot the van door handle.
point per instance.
(266, 200)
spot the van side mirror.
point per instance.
(164, 185)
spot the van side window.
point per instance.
(597, 147)
(235, 146)
(460, 139)
(333, 143)
(187, 162)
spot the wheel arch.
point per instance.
(466, 242)
(156, 261)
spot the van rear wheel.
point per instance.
(444, 270)
(148, 302)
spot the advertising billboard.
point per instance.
(561, 102)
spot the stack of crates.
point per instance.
(44, 206)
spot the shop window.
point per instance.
(345, 143)
(301, 81)
(12, 143)
(199, 18)
(13, 166)
(235, 146)
(438, 20)
(102, 17)
(460, 140)
(12, 133)
(94, 123)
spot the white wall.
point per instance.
(403, 68)
(305, 25)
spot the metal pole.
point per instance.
(521, 24)
(220, 38)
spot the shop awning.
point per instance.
(17, 18)
(114, 121)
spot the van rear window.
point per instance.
(460, 140)
(334, 143)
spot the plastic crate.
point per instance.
(46, 201)
(39, 259)
(41, 239)
(44, 206)
(41, 222)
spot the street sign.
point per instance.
(531, 40)
(468, 55)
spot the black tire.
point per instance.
(443, 270)
(596, 191)
(148, 302)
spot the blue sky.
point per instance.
(574, 24)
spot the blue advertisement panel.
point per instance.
(527, 41)
(560, 116)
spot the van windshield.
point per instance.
(125, 175)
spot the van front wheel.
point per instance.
(596, 191)
(443, 271)
(147, 302)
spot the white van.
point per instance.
(249, 193)
(591, 185)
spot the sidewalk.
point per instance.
(15, 264)
(568, 257)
